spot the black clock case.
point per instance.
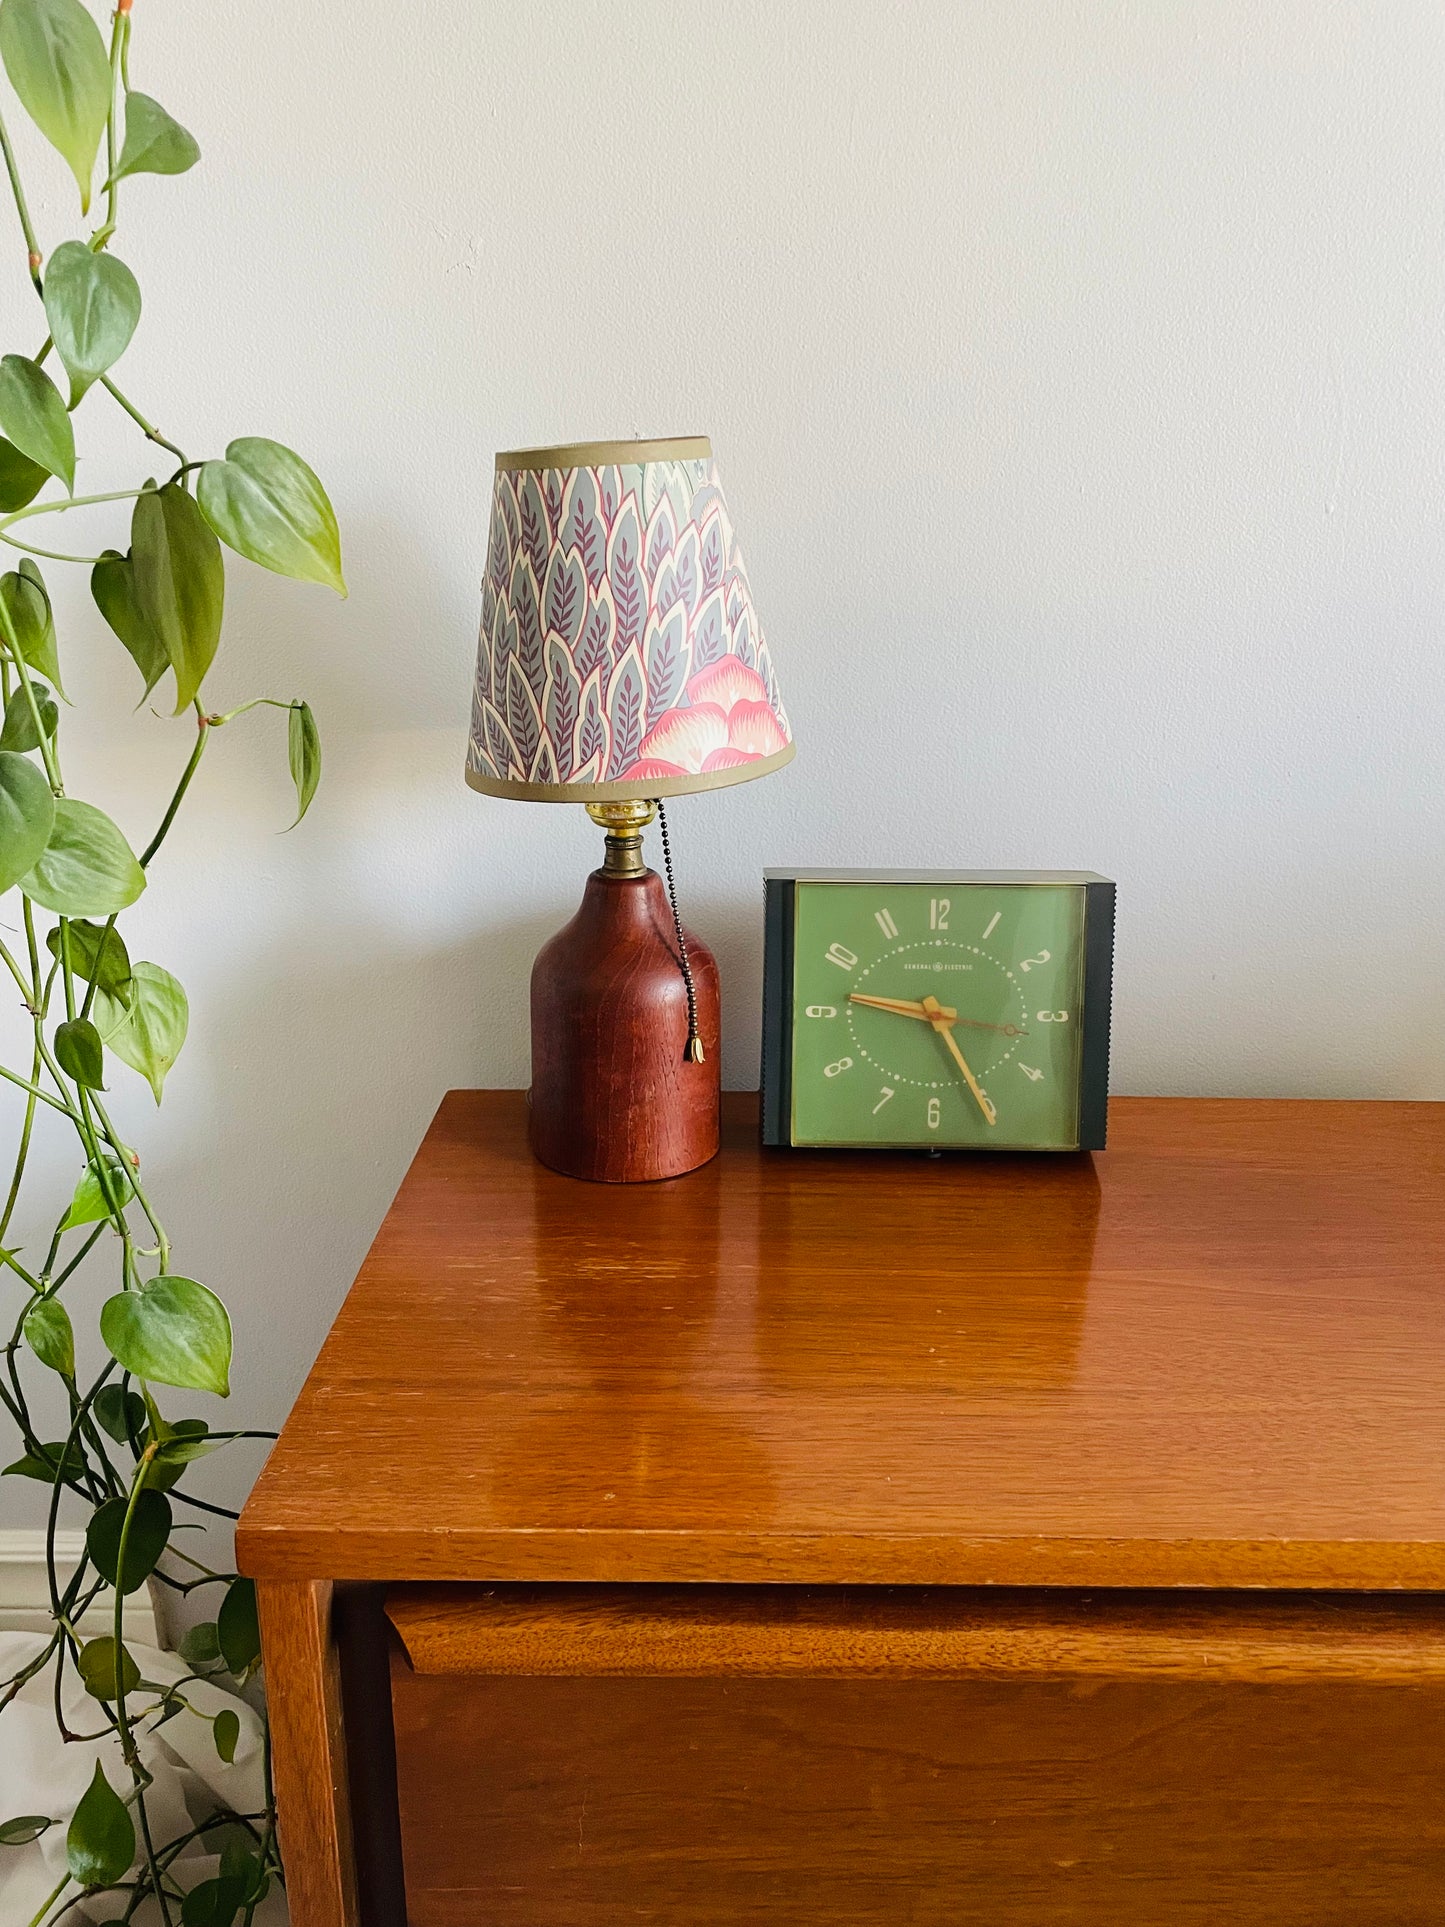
(779, 892)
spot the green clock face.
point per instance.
(937, 1013)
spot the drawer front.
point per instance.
(594, 1758)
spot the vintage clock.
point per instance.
(920, 1008)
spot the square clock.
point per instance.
(916, 1009)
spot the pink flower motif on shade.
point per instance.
(726, 682)
(686, 736)
(726, 722)
(753, 728)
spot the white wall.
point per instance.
(1075, 372)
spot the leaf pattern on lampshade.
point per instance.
(619, 641)
(565, 596)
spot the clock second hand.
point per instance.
(944, 1026)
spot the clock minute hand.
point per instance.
(903, 1007)
(942, 1021)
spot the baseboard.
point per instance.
(25, 1590)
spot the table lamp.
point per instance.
(621, 663)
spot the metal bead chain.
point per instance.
(694, 1051)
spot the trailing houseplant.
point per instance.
(68, 875)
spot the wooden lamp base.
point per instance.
(615, 1097)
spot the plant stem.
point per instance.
(70, 502)
(20, 206)
(24, 1150)
(119, 34)
(204, 726)
(46, 1905)
(13, 1077)
(152, 432)
(50, 555)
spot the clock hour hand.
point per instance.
(942, 1021)
(903, 1007)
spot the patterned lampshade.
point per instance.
(620, 654)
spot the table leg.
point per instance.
(308, 1742)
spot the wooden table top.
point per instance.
(1212, 1355)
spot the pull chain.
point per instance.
(694, 1052)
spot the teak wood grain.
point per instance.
(1213, 1355)
(846, 1802)
(614, 1098)
(917, 1632)
(303, 1690)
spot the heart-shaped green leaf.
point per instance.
(25, 617)
(87, 868)
(32, 410)
(100, 1845)
(226, 1728)
(238, 1627)
(149, 1034)
(107, 1671)
(112, 584)
(172, 1331)
(180, 582)
(89, 1204)
(49, 1335)
(176, 1446)
(303, 745)
(43, 1463)
(21, 480)
(98, 954)
(241, 1861)
(268, 505)
(20, 1832)
(78, 1052)
(27, 816)
(120, 1413)
(184, 1448)
(150, 1531)
(56, 61)
(199, 1646)
(18, 731)
(154, 143)
(214, 1903)
(92, 303)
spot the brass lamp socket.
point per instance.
(624, 824)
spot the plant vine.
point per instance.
(68, 869)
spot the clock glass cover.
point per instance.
(950, 1011)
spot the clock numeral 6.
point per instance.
(835, 1070)
(839, 954)
(821, 1010)
(1029, 962)
(1052, 1016)
(935, 1115)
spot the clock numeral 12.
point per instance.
(938, 909)
(839, 954)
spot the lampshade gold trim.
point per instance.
(681, 448)
(717, 779)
